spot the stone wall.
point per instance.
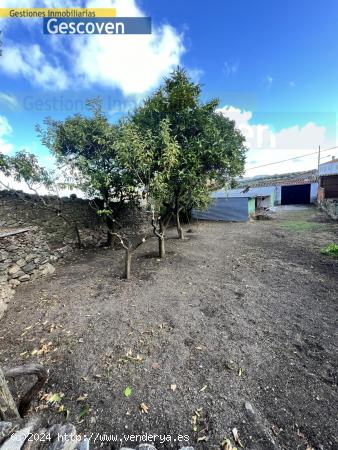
(24, 255)
(330, 207)
(19, 209)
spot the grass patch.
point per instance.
(330, 250)
(300, 225)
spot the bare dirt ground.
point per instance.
(239, 312)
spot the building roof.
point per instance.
(252, 192)
(310, 176)
(287, 181)
(329, 167)
(335, 160)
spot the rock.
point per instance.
(3, 278)
(29, 267)
(12, 248)
(18, 274)
(4, 265)
(6, 429)
(14, 269)
(17, 439)
(21, 262)
(249, 408)
(14, 282)
(63, 437)
(30, 257)
(24, 278)
(47, 269)
(3, 255)
(83, 445)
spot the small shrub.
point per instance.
(331, 250)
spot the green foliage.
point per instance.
(174, 149)
(149, 159)
(210, 151)
(128, 391)
(86, 146)
(24, 166)
(330, 250)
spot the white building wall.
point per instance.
(278, 199)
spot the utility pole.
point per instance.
(318, 160)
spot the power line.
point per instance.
(291, 159)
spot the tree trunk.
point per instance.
(127, 263)
(178, 225)
(79, 242)
(8, 409)
(27, 370)
(161, 241)
(161, 247)
(109, 223)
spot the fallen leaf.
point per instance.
(82, 398)
(144, 408)
(226, 444)
(128, 391)
(236, 437)
(194, 423)
(84, 411)
(276, 430)
(54, 398)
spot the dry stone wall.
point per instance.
(20, 209)
(24, 255)
(330, 206)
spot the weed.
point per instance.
(330, 250)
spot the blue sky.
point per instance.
(272, 64)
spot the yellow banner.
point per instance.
(57, 12)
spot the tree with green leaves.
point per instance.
(86, 148)
(148, 159)
(211, 151)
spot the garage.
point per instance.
(299, 194)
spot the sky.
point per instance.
(272, 64)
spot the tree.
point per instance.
(86, 147)
(148, 160)
(24, 167)
(211, 150)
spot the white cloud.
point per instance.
(268, 146)
(5, 131)
(230, 68)
(134, 64)
(31, 63)
(9, 100)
